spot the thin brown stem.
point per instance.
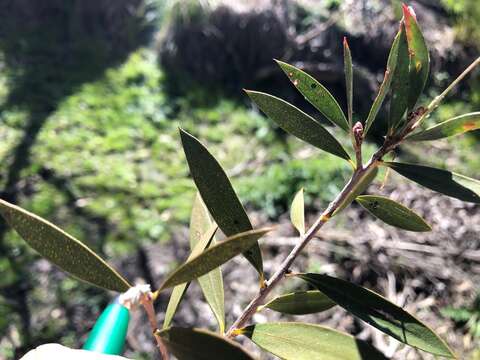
(354, 181)
(147, 303)
(391, 142)
(454, 83)
(435, 102)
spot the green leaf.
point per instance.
(179, 290)
(200, 221)
(299, 341)
(199, 344)
(419, 57)
(62, 249)
(443, 181)
(362, 185)
(213, 257)
(298, 123)
(301, 303)
(348, 67)
(175, 299)
(400, 82)
(385, 86)
(451, 127)
(212, 282)
(380, 313)
(297, 212)
(218, 194)
(316, 94)
(393, 213)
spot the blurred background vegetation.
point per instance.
(92, 94)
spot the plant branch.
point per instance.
(351, 185)
(147, 303)
(391, 142)
(435, 102)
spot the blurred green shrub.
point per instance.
(467, 13)
(467, 317)
(114, 143)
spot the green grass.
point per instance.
(116, 144)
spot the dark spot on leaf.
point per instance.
(313, 86)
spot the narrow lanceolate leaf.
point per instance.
(175, 299)
(179, 291)
(348, 66)
(400, 82)
(385, 86)
(213, 257)
(298, 123)
(199, 344)
(301, 303)
(419, 57)
(443, 181)
(299, 341)
(62, 249)
(200, 221)
(316, 94)
(212, 282)
(452, 127)
(297, 212)
(380, 313)
(361, 186)
(393, 213)
(218, 194)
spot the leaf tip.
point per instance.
(408, 13)
(287, 68)
(345, 43)
(182, 131)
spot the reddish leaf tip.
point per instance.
(408, 12)
(345, 42)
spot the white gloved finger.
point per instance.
(57, 351)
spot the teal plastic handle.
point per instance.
(109, 332)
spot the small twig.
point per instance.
(316, 31)
(435, 102)
(391, 142)
(147, 303)
(251, 309)
(358, 175)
